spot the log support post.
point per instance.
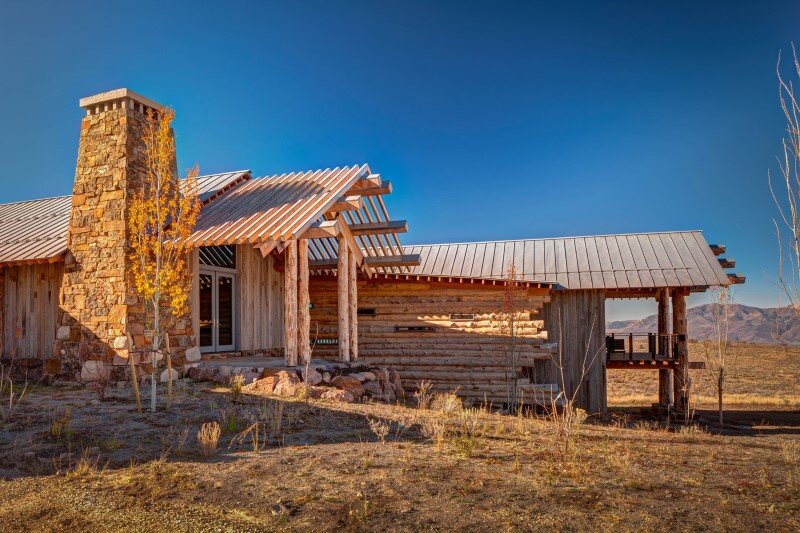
(681, 382)
(665, 391)
(343, 279)
(303, 304)
(352, 287)
(290, 304)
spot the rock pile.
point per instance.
(333, 381)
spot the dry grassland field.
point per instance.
(71, 462)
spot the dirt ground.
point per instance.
(70, 461)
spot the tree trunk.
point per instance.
(154, 359)
(720, 378)
(169, 370)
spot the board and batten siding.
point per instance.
(576, 321)
(260, 302)
(470, 356)
(30, 309)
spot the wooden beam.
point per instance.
(343, 306)
(266, 247)
(347, 203)
(290, 304)
(322, 229)
(726, 263)
(352, 286)
(718, 249)
(371, 190)
(375, 179)
(303, 304)
(376, 228)
(354, 248)
(736, 279)
(384, 261)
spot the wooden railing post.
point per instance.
(303, 304)
(665, 392)
(343, 278)
(679, 328)
(630, 346)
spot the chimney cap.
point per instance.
(118, 94)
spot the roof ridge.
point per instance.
(312, 170)
(557, 238)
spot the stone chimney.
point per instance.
(98, 309)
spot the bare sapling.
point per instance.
(513, 298)
(787, 197)
(10, 394)
(716, 351)
(162, 215)
(564, 411)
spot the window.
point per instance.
(414, 328)
(366, 311)
(325, 342)
(218, 256)
(456, 317)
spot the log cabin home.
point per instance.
(310, 263)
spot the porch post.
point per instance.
(353, 308)
(665, 392)
(303, 304)
(290, 304)
(343, 278)
(680, 379)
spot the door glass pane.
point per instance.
(225, 303)
(206, 311)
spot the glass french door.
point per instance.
(217, 311)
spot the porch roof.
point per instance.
(624, 262)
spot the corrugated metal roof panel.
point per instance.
(628, 261)
(36, 230)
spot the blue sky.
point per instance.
(495, 120)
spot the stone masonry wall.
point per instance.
(98, 305)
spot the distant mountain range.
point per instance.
(748, 324)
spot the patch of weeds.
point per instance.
(434, 429)
(237, 384)
(157, 479)
(208, 438)
(790, 450)
(423, 395)
(85, 469)
(465, 436)
(380, 428)
(60, 424)
(360, 510)
(447, 402)
(110, 445)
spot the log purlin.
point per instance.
(446, 333)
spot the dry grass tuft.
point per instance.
(208, 438)
(423, 395)
(380, 428)
(448, 402)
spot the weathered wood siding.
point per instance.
(469, 355)
(30, 309)
(576, 321)
(260, 302)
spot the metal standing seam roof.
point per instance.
(36, 230)
(273, 208)
(628, 261)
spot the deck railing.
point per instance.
(641, 346)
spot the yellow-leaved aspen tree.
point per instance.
(161, 217)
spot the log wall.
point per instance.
(469, 355)
(30, 309)
(576, 321)
(259, 303)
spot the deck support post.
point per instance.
(303, 304)
(680, 379)
(665, 391)
(343, 279)
(352, 289)
(290, 304)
